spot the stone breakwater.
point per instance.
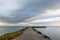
(27, 33)
(32, 34)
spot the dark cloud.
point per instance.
(9, 20)
(33, 8)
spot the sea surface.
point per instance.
(52, 31)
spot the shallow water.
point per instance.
(52, 32)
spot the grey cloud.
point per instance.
(9, 20)
(33, 8)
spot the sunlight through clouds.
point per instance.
(17, 11)
(57, 19)
(55, 11)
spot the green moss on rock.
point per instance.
(10, 36)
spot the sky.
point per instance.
(31, 11)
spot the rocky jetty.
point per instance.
(27, 33)
(32, 34)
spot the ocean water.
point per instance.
(52, 32)
(8, 29)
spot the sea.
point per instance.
(51, 31)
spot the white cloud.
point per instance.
(5, 7)
(55, 11)
(47, 14)
(8, 6)
(57, 19)
(45, 22)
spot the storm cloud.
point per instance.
(15, 11)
